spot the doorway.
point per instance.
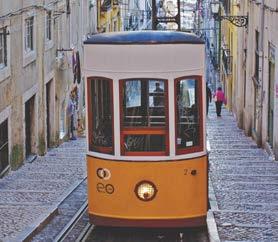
(50, 103)
(4, 146)
(29, 126)
(271, 79)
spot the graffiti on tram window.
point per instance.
(134, 142)
(145, 143)
(101, 116)
(102, 136)
(189, 136)
(188, 120)
(100, 139)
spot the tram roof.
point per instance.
(144, 38)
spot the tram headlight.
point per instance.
(145, 190)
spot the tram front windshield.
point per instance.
(144, 109)
(144, 116)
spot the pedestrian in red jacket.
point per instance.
(219, 100)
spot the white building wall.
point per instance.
(270, 37)
(27, 71)
(262, 18)
(275, 128)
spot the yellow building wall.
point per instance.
(110, 20)
(229, 41)
(233, 44)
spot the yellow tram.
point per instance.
(147, 159)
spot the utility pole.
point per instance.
(167, 19)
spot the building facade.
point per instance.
(108, 15)
(245, 59)
(40, 42)
(228, 53)
(136, 15)
(188, 15)
(248, 71)
(260, 77)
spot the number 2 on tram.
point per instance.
(147, 159)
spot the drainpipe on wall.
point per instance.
(261, 73)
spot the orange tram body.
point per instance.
(147, 159)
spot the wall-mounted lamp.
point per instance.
(239, 21)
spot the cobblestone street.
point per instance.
(31, 194)
(245, 183)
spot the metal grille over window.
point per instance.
(188, 114)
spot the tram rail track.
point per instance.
(65, 217)
(86, 232)
(70, 225)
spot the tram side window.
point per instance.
(101, 118)
(144, 118)
(188, 115)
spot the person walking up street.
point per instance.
(72, 113)
(208, 97)
(219, 99)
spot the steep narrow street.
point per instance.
(245, 183)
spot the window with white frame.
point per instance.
(3, 48)
(48, 26)
(29, 34)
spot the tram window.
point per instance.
(101, 127)
(144, 103)
(144, 123)
(188, 115)
(144, 143)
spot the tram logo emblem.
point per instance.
(103, 173)
(102, 188)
